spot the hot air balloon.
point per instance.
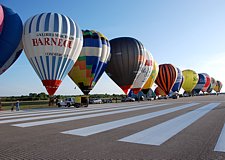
(1, 18)
(159, 92)
(218, 86)
(179, 81)
(127, 56)
(52, 43)
(213, 82)
(190, 80)
(208, 81)
(92, 61)
(144, 73)
(211, 85)
(166, 77)
(200, 84)
(148, 84)
(10, 39)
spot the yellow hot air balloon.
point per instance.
(151, 78)
(190, 80)
(218, 86)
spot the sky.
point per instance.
(189, 34)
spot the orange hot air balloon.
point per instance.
(166, 77)
(159, 91)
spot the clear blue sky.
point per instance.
(187, 33)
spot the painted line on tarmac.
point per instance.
(79, 110)
(16, 113)
(159, 134)
(86, 131)
(113, 111)
(68, 114)
(220, 145)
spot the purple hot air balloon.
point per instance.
(1, 18)
(10, 39)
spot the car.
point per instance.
(95, 101)
(66, 102)
(107, 100)
(128, 99)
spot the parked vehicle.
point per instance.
(77, 102)
(128, 99)
(66, 102)
(81, 101)
(107, 100)
(95, 101)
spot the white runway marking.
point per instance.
(40, 113)
(46, 111)
(86, 131)
(158, 134)
(44, 122)
(220, 145)
(68, 114)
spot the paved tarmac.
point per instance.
(188, 128)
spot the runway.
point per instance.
(185, 128)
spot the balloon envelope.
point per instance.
(1, 18)
(212, 85)
(179, 81)
(144, 73)
(148, 84)
(10, 39)
(200, 84)
(218, 86)
(208, 81)
(127, 56)
(159, 91)
(92, 61)
(52, 43)
(166, 77)
(190, 80)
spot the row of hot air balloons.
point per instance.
(55, 46)
(170, 79)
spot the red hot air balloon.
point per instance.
(208, 81)
(166, 77)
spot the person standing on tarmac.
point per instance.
(17, 105)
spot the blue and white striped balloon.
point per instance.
(52, 43)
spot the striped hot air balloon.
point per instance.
(159, 92)
(144, 72)
(208, 81)
(166, 77)
(180, 79)
(212, 85)
(1, 18)
(200, 84)
(10, 38)
(92, 61)
(127, 57)
(52, 43)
